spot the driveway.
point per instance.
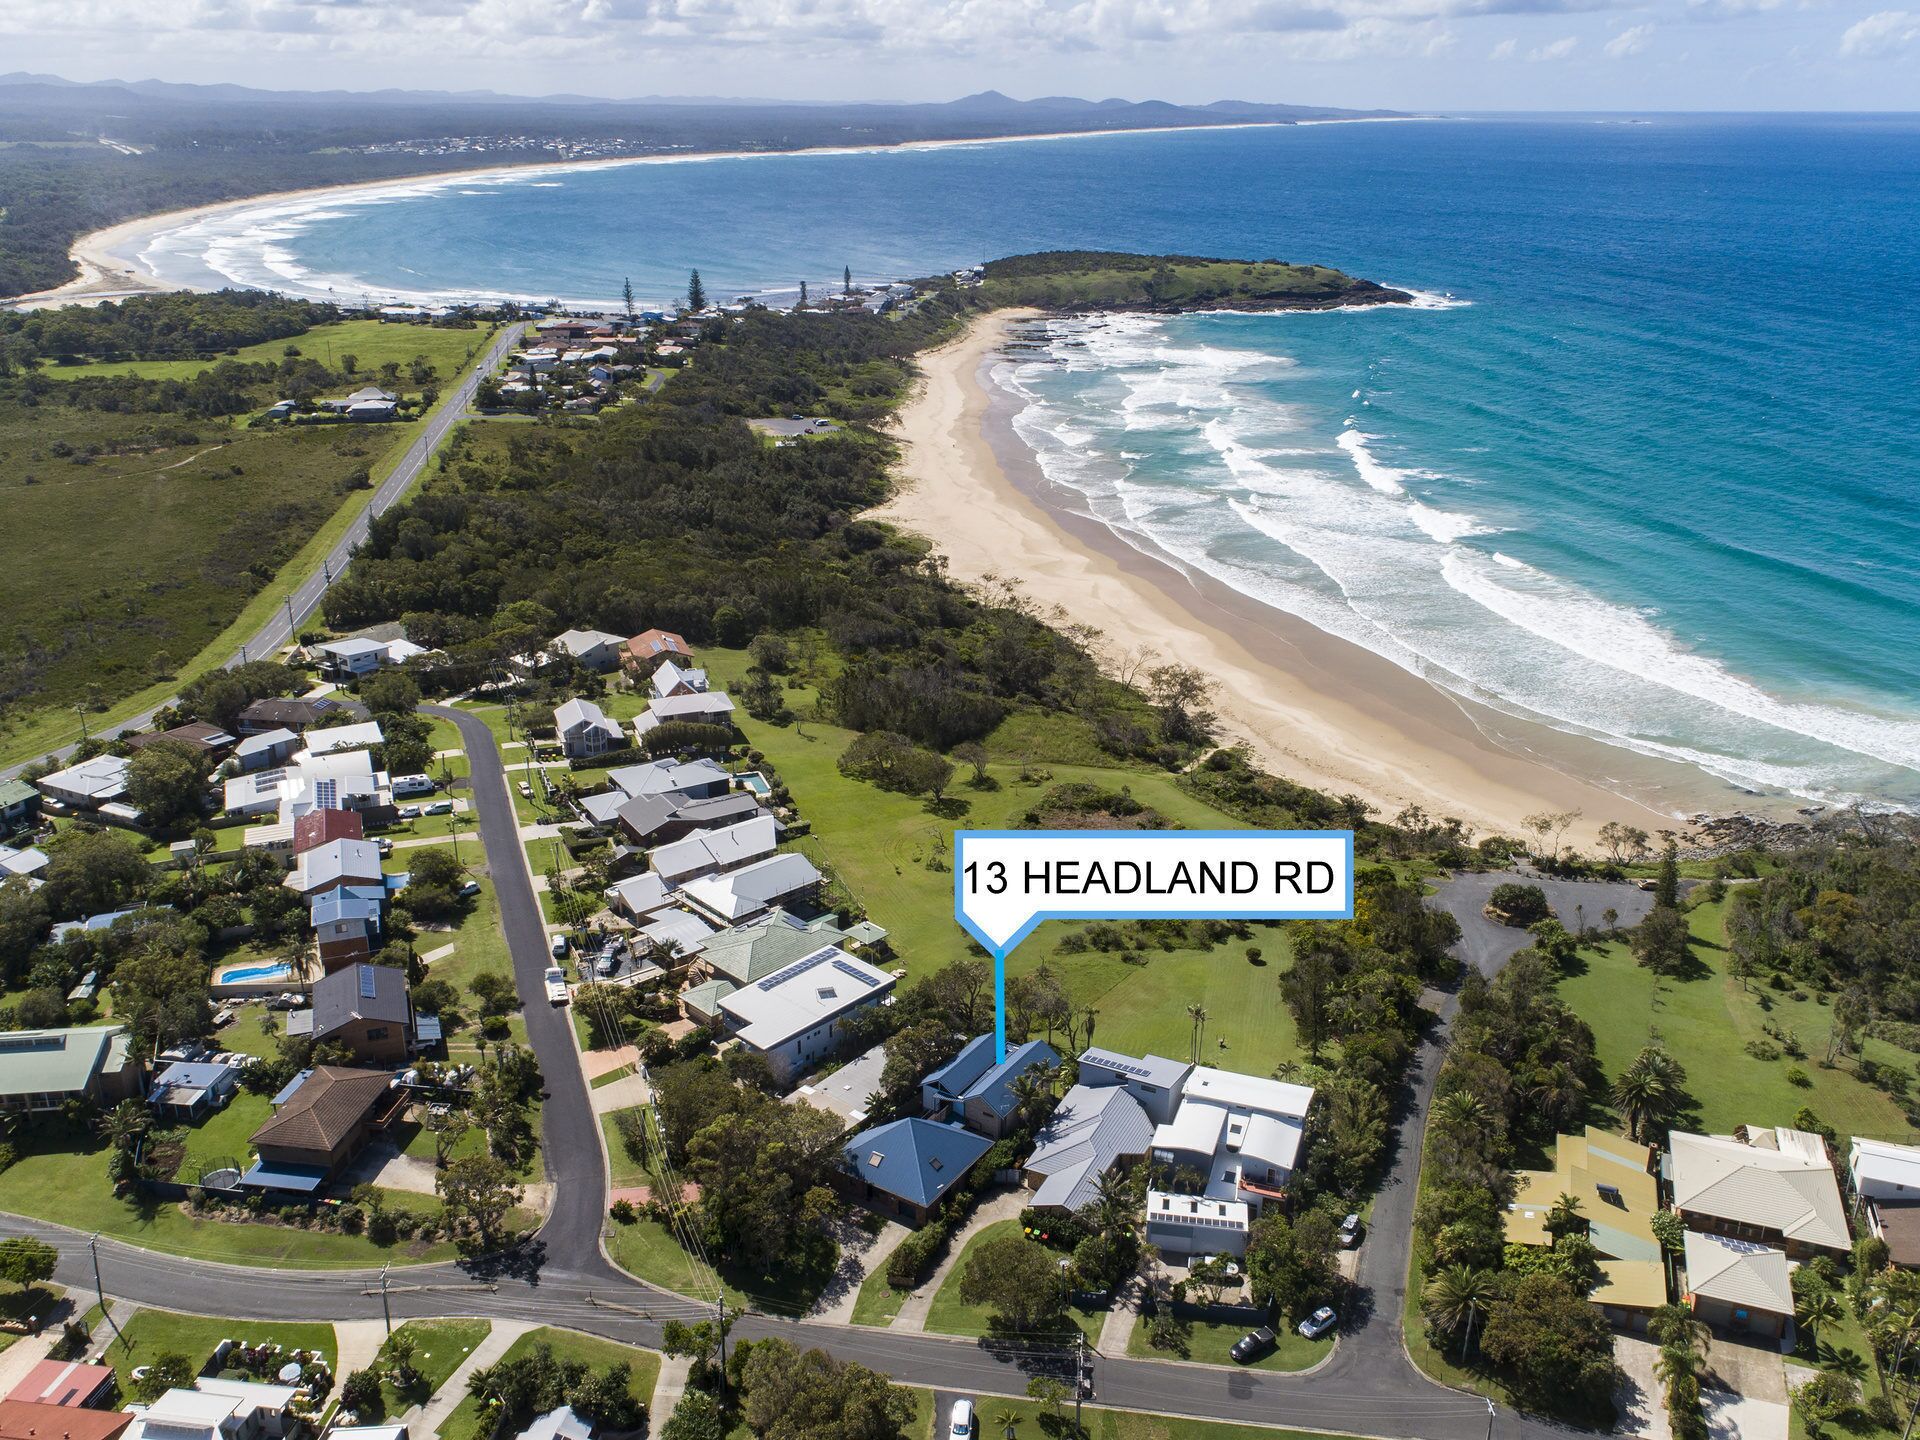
(1745, 1393)
(1641, 1399)
(1487, 946)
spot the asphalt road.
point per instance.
(306, 596)
(1487, 946)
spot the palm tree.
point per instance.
(1648, 1092)
(1198, 1015)
(1558, 1092)
(1678, 1362)
(1460, 1110)
(125, 1124)
(1456, 1300)
(1008, 1420)
(1565, 1216)
(1032, 1089)
(1816, 1308)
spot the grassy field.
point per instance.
(153, 1333)
(466, 1422)
(622, 1169)
(951, 1315)
(1030, 1421)
(649, 1252)
(1707, 1021)
(878, 1302)
(1209, 1344)
(372, 343)
(440, 1346)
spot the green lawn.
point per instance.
(650, 1252)
(371, 343)
(466, 1422)
(153, 1333)
(951, 1315)
(1209, 1344)
(622, 1169)
(64, 1179)
(1031, 1423)
(440, 1346)
(23, 1303)
(878, 1302)
(223, 1135)
(1706, 1022)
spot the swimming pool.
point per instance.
(278, 970)
(756, 782)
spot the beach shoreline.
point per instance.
(111, 267)
(1310, 706)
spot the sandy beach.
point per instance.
(110, 261)
(1312, 707)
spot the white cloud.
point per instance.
(1504, 50)
(1630, 41)
(1555, 50)
(1886, 33)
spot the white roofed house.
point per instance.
(1092, 1129)
(1886, 1177)
(590, 649)
(785, 879)
(715, 852)
(1775, 1187)
(710, 707)
(679, 780)
(792, 1017)
(347, 659)
(671, 679)
(88, 785)
(337, 739)
(586, 730)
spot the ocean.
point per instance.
(1643, 464)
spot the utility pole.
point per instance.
(99, 1291)
(721, 1309)
(386, 1308)
(1082, 1377)
(292, 638)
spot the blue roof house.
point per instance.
(974, 1090)
(906, 1168)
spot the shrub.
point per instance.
(1797, 1076)
(914, 1259)
(351, 1219)
(1517, 904)
(360, 1393)
(623, 1211)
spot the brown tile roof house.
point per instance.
(281, 712)
(320, 1127)
(25, 1420)
(650, 647)
(198, 736)
(318, 827)
(65, 1382)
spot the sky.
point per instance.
(1399, 54)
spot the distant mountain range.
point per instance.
(52, 93)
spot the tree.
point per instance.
(803, 294)
(1666, 885)
(1455, 1303)
(1197, 1016)
(894, 762)
(1019, 1281)
(23, 924)
(27, 1262)
(846, 279)
(626, 298)
(167, 781)
(794, 1394)
(434, 879)
(170, 1371)
(89, 871)
(972, 752)
(1623, 842)
(696, 292)
(160, 989)
(1308, 988)
(480, 1189)
(698, 1416)
(1556, 1349)
(1292, 1262)
(1660, 942)
(606, 1398)
(1824, 1399)
(360, 1393)
(1651, 1092)
(1518, 904)
(1551, 828)
(1183, 696)
(1816, 1307)
(1565, 1218)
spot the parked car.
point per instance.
(438, 807)
(1350, 1232)
(559, 947)
(556, 985)
(470, 889)
(960, 1421)
(383, 845)
(526, 791)
(1319, 1322)
(408, 812)
(1252, 1345)
(405, 786)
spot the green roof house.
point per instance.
(41, 1070)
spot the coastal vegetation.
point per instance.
(1110, 280)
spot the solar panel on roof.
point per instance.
(1106, 1062)
(368, 982)
(799, 967)
(847, 968)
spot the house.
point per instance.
(371, 395)
(1091, 1130)
(187, 1090)
(1241, 1132)
(323, 827)
(785, 879)
(267, 750)
(561, 1424)
(215, 1409)
(198, 737)
(66, 1383)
(1154, 1082)
(19, 803)
(364, 1007)
(1887, 1180)
(792, 1017)
(844, 1093)
(639, 896)
(650, 647)
(711, 707)
(29, 1420)
(714, 852)
(662, 819)
(23, 863)
(320, 1122)
(336, 863)
(372, 410)
(1613, 1180)
(1775, 1186)
(585, 730)
(677, 937)
(282, 712)
(673, 779)
(339, 739)
(671, 679)
(346, 925)
(1738, 1285)
(978, 1092)
(88, 785)
(40, 1070)
(351, 658)
(132, 918)
(1197, 1224)
(747, 954)
(904, 1169)
(590, 649)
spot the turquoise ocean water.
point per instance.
(1644, 464)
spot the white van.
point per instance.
(960, 1424)
(405, 786)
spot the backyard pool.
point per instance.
(278, 970)
(756, 782)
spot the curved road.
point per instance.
(1367, 1386)
(307, 595)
